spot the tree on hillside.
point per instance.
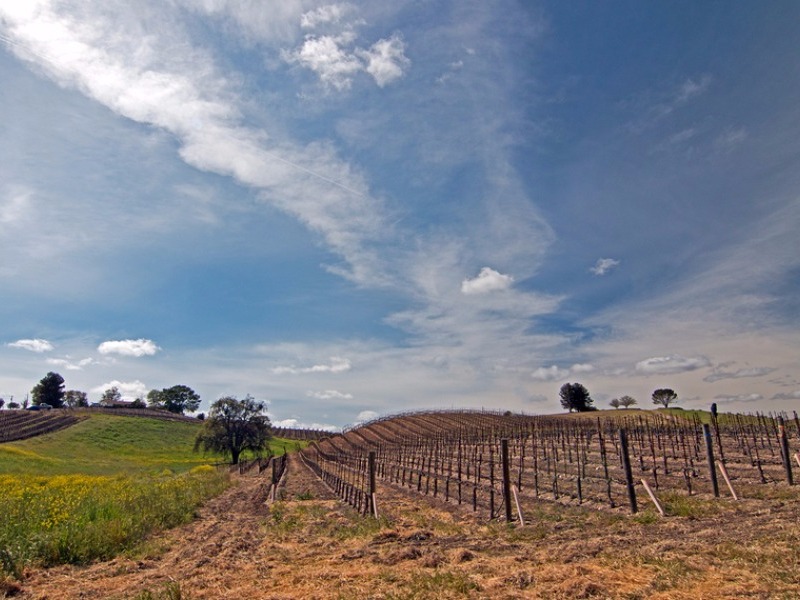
(74, 399)
(664, 397)
(2, 403)
(177, 399)
(614, 403)
(13, 405)
(627, 401)
(111, 396)
(50, 390)
(233, 426)
(575, 396)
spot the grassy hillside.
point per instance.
(109, 445)
(100, 487)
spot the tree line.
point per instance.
(575, 397)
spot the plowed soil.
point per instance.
(308, 545)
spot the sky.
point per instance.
(360, 208)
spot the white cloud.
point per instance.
(337, 365)
(366, 415)
(129, 390)
(581, 368)
(488, 280)
(666, 365)
(386, 60)
(604, 265)
(329, 395)
(325, 56)
(330, 13)
(550, 373)
(14, 204)
(730, 138)
(34, 345)
(719, 373)
(739, 398)
(795, 395)
(297, 424)
(692, 88)
(140, 347)
(70, 364)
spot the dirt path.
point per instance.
(216, 556)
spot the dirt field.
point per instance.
(307, 545)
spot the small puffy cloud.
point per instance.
(550, 373)
(140, 347)
(604, 265)
(386, 60)
(488, 280)
(366, 415)
(795, 395)
(69, 364)
(329, 395)
(326, 57)
(295, 424)
(739, 398)
(337, 365)
(581, 368)
(666, 365)
(129, 390)
(34, 345)
(719, 373)
(330, 13)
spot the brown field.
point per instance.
(309, 545)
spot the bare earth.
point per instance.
(308, 545)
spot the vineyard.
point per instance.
(21, 424)
(497, 465)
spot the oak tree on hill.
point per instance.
(233, 426)
(75, 398)
(664, 397)
(177, 399)
(627, 401)
(50, 390)
(574, 396)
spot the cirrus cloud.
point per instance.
(137, 348)
(667, 365)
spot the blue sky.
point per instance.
(353, 209)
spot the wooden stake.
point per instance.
(519, 510)
(653, 498)
(724, 472)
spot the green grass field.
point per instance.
(100, 487)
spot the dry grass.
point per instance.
(309, 546)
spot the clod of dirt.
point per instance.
(419, 536)
(9, 589)
(463, 555)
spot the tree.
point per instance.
(50, 390)
(627, 401)
(13, 405)
(177, 399)
(111, 396)
(575, 396)
(664, 397)
(233, 426)
(74, 399)
(138, 403)
(2, 403)
(614, 402)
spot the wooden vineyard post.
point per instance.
(710, 453)
(787, 460)
(653, 498)
(626, 465)
(371, 491)
(506, 478)
(725, 476)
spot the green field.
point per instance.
(100, 487)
